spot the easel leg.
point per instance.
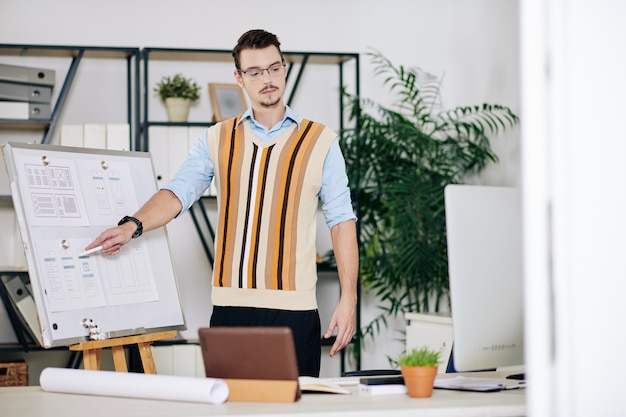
(147, 360)
(92, 350)
(91, 359)
(119, 358)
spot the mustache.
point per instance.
(267, 87)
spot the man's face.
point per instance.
(267, 88)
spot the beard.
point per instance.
(272, 100)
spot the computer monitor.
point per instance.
(484, 240)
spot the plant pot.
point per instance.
(419, 380)
(177, 109)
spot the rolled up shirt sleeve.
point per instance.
(194, 176)
(335, 192)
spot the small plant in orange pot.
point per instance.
(419, 369)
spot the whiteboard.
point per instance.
(64, 198)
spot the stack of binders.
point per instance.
(25, 92)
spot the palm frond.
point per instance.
(399, 160)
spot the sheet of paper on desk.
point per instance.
(312, 384)
(385, 389)
(477, 384)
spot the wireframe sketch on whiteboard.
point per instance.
(74, 282)
(64, 198)
(57, 200)
(56, 197)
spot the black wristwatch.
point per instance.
(139, 230)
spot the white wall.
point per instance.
(472, 43)
(574, 101)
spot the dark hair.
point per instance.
(255, 39)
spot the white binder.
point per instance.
(21, 110)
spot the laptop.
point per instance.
(257, 363)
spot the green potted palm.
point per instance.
(419, 370)
(399, 160)
(177, 92)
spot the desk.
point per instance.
(33, 402)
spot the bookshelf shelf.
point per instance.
(76, 54)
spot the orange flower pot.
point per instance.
(419, 380)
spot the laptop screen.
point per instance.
(248, 353)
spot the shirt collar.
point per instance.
(290, 117)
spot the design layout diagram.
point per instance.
(57, 194)
(54, 195)
(65, 198)
(59, 201)
(73, 282)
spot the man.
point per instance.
(270, 168)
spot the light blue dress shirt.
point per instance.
(196, 173)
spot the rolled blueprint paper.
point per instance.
(134, 385)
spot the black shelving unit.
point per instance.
(138, 105)
(297, 63)
(77, 54)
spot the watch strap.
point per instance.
(139, 230)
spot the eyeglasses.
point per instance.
(254, 74)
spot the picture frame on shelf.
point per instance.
(227, 100)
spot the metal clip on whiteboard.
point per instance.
(44, 160)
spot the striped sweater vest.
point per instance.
(267, 200)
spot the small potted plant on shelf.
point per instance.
(177, 92)
(419, 369)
